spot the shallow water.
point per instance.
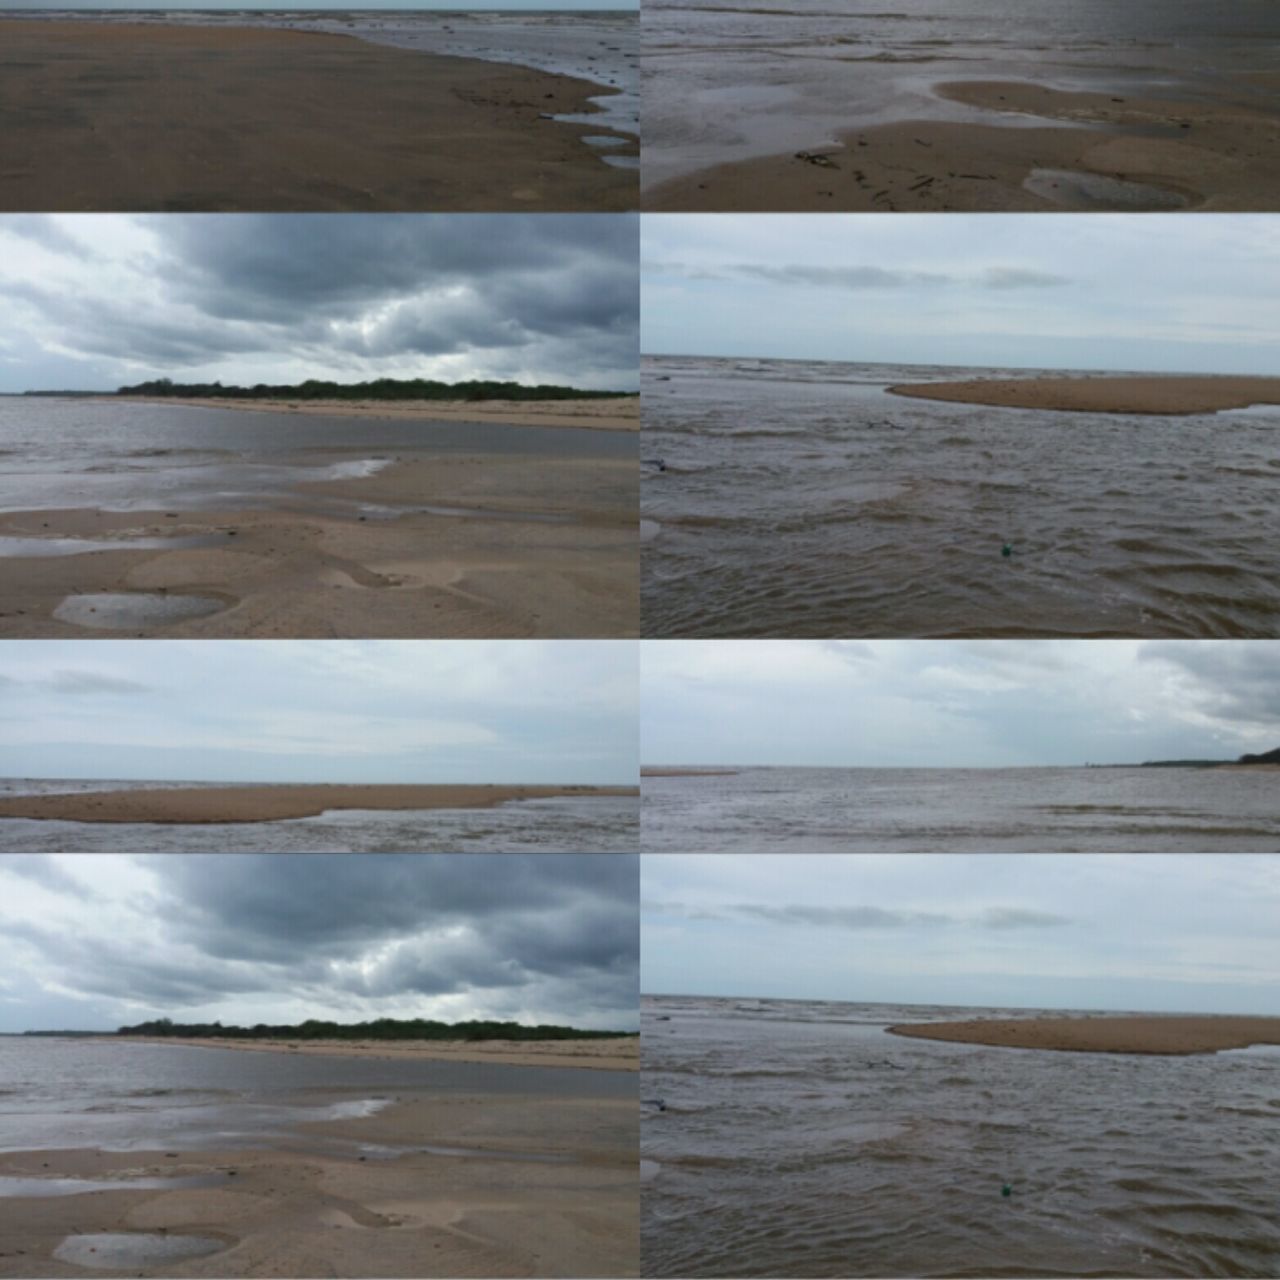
(58, 1094)
(570, 824)
(116, 1251)
(124, 611)
(801, 499)
(799, 1138)
(726, 80)
(63, 453)
(1112, 810)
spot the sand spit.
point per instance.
(292, 1213)
(1156, 395)
(620, 1054)
(108, 117)
(1095, 151)
(196, 805)
(1154, 1034)
(599, 415)
(518, 546)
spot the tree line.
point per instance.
(378, 389)
(378, 1029)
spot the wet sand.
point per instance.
(111, 117)
(1105, 394)
(525, 547)
(600, 415)
(220, 804)
(293, 1213)
(1154, 1034)
(1094, 151)
(615, 1054)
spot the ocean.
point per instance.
(60, 1093)
(799, 498)
(800, 1139)
(569, 824)
(727, 80)
(117, 456)
(1044, 810)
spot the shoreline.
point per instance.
(1092, 151)
(1171, 395)
(597, 415)
(452, 1186)
(1152, 1035)
(614, 1054)
(276, 802)
(271, 119)
(519, 546)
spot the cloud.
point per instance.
(861, 917)
(865, 277)
(77, 681)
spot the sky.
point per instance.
(422, 711)
(947, 703)
(1160, 293)
(1148, 932)
(96, 941)
(93, 302)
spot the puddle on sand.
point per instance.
(13, 546)
(27, 1187)
(126, 1251)
(125, 611)
(1078, 190)
(606, 140)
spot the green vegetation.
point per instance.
(379, 389)
(379, 1029)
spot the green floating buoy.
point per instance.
(1006, 1190)
(1007, 550)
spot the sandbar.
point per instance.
(1149, 1034)
(314, 1207)
(598, 415)
(197, 805)
(613, 1054)
(113, 117)
(1174, 394)
(1094, 151)
(458, 546)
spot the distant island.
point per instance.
(1265, 757)
(379, 1029)
(378, 389)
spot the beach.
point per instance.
(1153, 1034)
(599, 415)
(299, 1165)
(184, 520)
(272, 803)
(103, 116)
(1183, 394)
(618, 1054)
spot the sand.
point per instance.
(556, 556)
(1106, 394)
(1149, 1034)
(298, 1213)
(600, 415)
(1094, 151)
(614, 1054)
(101, 117)
(188, 805)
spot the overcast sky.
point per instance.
(1164, 933)
(1160, 292)
(944, 703)
(91, 302)
(323, 711)
(96, 941)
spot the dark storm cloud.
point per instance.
(1229, 681)
(356, 296)
(358, 936)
